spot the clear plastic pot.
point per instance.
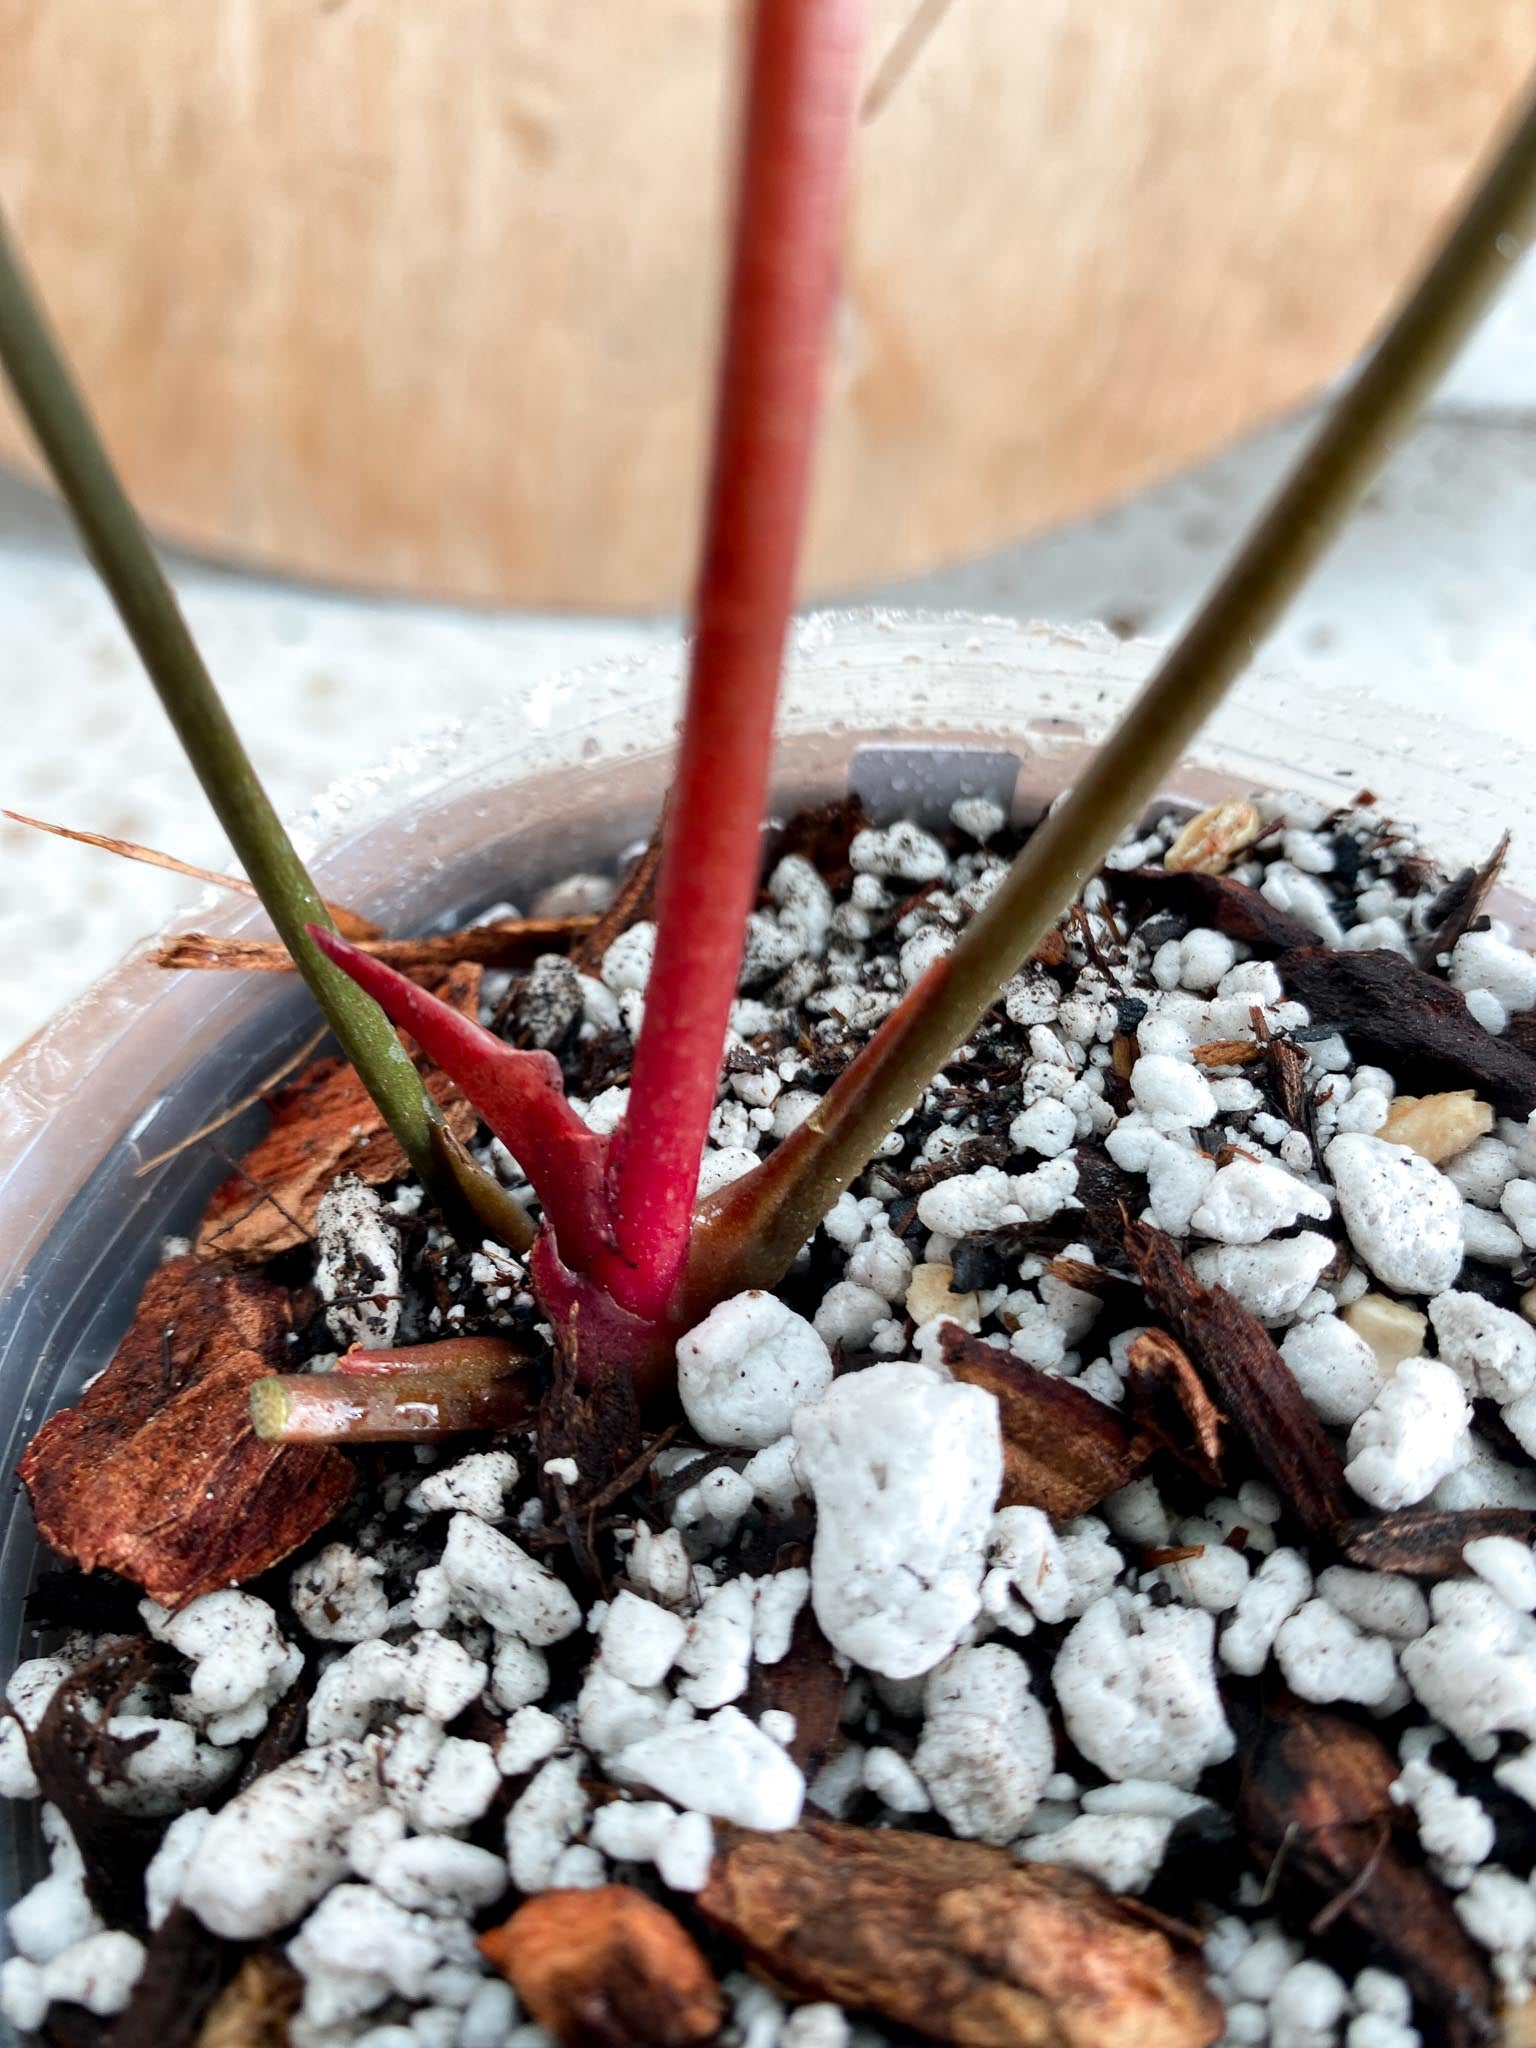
(913, 709)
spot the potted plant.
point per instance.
(707, 1601)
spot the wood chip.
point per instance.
(1460, 904)
(156, 1472)
(324, 1123)
(1315, 1809)
(73, 1756)
(504, 942)
(1415, 1023)
(1427, 1543)
(808, 1682)
(1169, 1401)
(185, 1968)
(254, 2010)
(1063, 1451)
(1228, 1052)
(1255, 1387)
(607, 1968)
(1219, 902)
(957, 1940)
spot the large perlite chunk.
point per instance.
(1402, 1214)
(905, 1467)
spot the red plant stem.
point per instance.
(357, 1408)
(798, 129)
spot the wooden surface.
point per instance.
(422, 296)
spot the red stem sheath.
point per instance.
(803, 80)
(521, 1097)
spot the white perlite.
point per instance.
(1140, 1700)
(98, 1973)
(430, 1673)
(339, 1596)
(476, 1485)
(1475, 1670)
(1249, 1200)
(496, 1579)
(243, 1665)
(281, 1842)
(745, 1369)
(905, 1468)
(1491, 1350)
(1122, 1850)
(1335, 1368)
(640, 1640)
(1270, 1280)
(357, 1263)
(986, 1748)
(1402, 1214)
(725, 1767)
(1413, 1434)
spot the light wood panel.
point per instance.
(421, 295)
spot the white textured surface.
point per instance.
(1429, 600)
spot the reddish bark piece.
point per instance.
(957, 1941)
(607, 1968)
(1256, 1388)
(1169, 1401)
(1396, 1012)
(1218, 901)
(1062, 1450)
(504, 942)
(1316, 1812)
(324, 1123)
(809, 1683)
(157, 1473)
(1427, 1543)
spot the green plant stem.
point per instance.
(120, 549)
(753, 1229)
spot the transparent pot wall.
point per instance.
(569, 778)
